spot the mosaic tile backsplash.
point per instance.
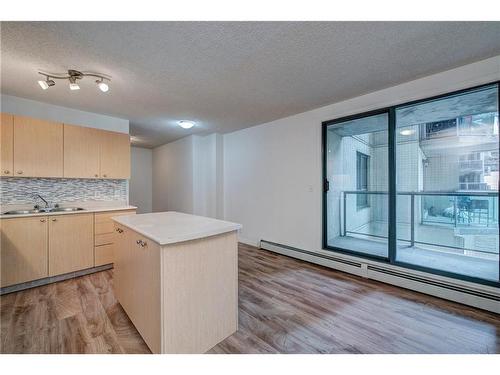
(56, 190)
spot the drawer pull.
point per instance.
(6, 171)
(54, 219)
(141, 243)
(42, 220)
(119, 230)
(19, 172)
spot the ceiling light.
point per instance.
(46, 84)
(72, 84)
(185, 124)
(74, 76)
(407, 132)
(103, 86)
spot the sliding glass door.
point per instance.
(416, 185)
(356, 152)
(447, 184)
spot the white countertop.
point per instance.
(85, 210)
(171, 227)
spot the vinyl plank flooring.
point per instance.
(285, 306)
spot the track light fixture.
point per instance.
(73, 76)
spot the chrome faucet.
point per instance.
(35, 196)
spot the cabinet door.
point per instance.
(115, 155)
(81, 152)
(6, 144)
(121, 272)
(38, 147)
(71, 243)
(24, 253)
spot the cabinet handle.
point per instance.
(119, 230)
(6, 172)
(104, 175)
(42, 220)
(54, 219)
(96, 175)
(141, 243)
(19, 172)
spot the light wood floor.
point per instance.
(285, 306)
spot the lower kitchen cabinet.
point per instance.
(24, 251)
(71, 243)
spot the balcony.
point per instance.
(454, 232)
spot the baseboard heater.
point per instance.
(477, 296)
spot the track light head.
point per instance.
(103, 86)
(46, 84)
(73, 85)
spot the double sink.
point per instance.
(43, 210)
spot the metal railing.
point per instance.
(462, 203)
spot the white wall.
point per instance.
(173, 176)
(187, 176)
(31, 108)
(272, 172)
(141, 179)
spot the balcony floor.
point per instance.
(424, 256)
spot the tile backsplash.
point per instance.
(56, 190)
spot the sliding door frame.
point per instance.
(392, 190)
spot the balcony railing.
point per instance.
(468, 211)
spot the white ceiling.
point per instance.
(229, 75)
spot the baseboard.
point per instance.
(471, 294)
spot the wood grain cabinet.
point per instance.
(32, 147)
(105, 236)
(6, 144)
(71, 243)
(38, 147)
(114, 155)
(24, 251)
(81, 152)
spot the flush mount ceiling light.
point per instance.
(186, 124)
(73, 76)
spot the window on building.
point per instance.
(362, 167)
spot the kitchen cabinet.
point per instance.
(6, 144)
(81, 152)
(24, 251)
(32, 147)
(114, 155)
(138, 285)
(38, 147)
(177, 279)
(71, 243)
(105, 236)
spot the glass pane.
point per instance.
(357, 202)
(447, 157)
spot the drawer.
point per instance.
(104, 254)
(104, 239)
(103, 222)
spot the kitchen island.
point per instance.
(176, 277)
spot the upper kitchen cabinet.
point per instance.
(81, 151)
(6, 144)
(38, 147)
(115, 155)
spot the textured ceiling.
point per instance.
(229, 75)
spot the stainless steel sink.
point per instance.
(67, 209)
(21, 212)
